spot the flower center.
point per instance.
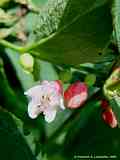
(45, 100)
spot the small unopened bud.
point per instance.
(90, 79)
(76, 95)
(27, 62)
(104, 104)
(109, 117)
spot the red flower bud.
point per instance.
(109, 118)
(76, 95)
(104, 104)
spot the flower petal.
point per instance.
(58, 86)
(44, 82)
(62, 103)
(50, 115)
(34, 91)
(33, 110)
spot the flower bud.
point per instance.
(76, 95)
(104, 104)
(109, 117)
(27, 62)
(90, 79)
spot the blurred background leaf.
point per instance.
(80, 34)
(12, 144)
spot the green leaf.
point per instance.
(65, 75)
(30, 17)
(49, 18)
(39, 2)
(58, 122)
(82, 119)
(12, 144)
(11, 103)
(44, 71)
(116, 20)
(82, 31)
(16, 104)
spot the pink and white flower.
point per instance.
(45, 98)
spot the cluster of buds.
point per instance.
(108, 115)
(48, 97)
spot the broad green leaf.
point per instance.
(49, 18)
(57, 124)
(32, 135)
(101, 68)
(9, 98)
(16, 104)
(39, 2)
(12, 144)
(30, 17)
(116, 20)
(82, 118)
(77, 34)
(44, 71)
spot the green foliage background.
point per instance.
(70, 40)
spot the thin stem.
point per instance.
(10, 45)
(39, 42)
(26, 48)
